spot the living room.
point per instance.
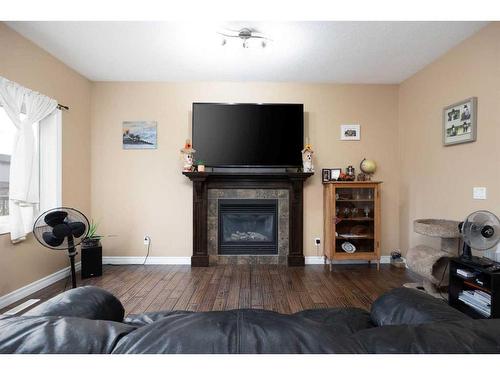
(362, 152)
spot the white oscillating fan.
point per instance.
(480, 231)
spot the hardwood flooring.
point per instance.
(279, 288)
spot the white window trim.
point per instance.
(50, 151)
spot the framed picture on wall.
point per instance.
(139, 135)
(460, 122)
(350, 132)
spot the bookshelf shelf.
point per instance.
(482, 280)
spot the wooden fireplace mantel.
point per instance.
(202, 181)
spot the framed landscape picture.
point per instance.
(460, 122)
(139, 135)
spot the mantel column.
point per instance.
(200, 201)
(296, 236)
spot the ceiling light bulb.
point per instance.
(223, 42)
(264, 44)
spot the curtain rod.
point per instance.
(61, 107)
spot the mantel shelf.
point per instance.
(248, 175)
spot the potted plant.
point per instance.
(200, 166)
(92, 239)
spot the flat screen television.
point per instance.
(248, 135)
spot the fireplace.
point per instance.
(285, 186)
(248, 226)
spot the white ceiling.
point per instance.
(343, 52)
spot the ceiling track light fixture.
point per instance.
(245, 35)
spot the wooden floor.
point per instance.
(225, 287)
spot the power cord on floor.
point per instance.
(441, 281)
(444, 273)
(147, 255)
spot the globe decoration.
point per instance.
(368, 167)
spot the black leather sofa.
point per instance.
(91, 320)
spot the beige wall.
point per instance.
(138, 192)
(23, 62)
(437, 181)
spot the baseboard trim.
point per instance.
(35, 286)
(384, 259)
(150, 260)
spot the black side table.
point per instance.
(479, 279)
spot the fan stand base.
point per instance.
(472, 260)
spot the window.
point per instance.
(48, 136)
(7, 132)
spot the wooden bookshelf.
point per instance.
(352, 208)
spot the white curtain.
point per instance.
(24, 163)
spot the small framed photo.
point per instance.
(350, 132)
(460, 122)
(335, 174)
(325, 175)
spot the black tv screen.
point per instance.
(254, 135)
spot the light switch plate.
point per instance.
(479, 193)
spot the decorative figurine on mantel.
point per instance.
(307, 158)
(187, 154)
(350, 173)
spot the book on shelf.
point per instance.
(478, 300)
(479, 295)
(475, 297)
(465, 273)
(483, 311)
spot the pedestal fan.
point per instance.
(62, 228)
(480, 231)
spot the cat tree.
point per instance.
(431, 263)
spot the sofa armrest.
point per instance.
(87, 302)
(411, 306)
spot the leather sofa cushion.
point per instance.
(59, 335)
(342, 320)
(411, 306)
(238, 331)
(88, 302)
(465, 336)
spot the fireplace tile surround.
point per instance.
(281, 195)
(208, 187)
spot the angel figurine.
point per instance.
(187, 154)
(307, 158)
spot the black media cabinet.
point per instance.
(483, 280)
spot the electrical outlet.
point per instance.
(147, 240)
(479, 193)
(317, 241)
